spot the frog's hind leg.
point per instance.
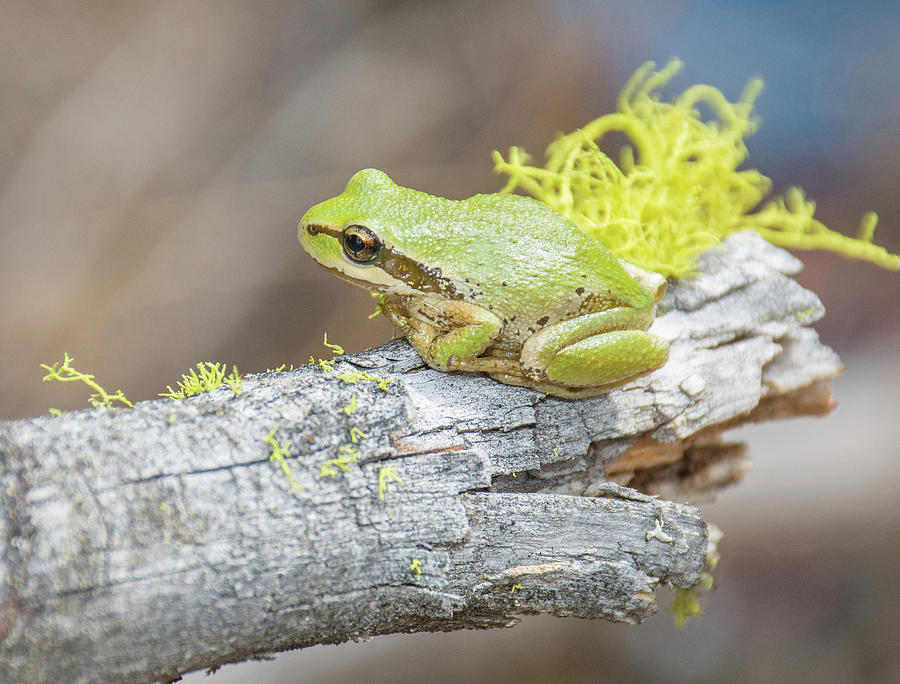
(604, 361)
(594, 352)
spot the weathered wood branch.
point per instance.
(140, 544)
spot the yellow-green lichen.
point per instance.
(234, 381)
(416, 567)
(378, 307)
(386, 474)
(351, 377)
(685, 605)
(208, 376)
(354, 376)
(283, 367)
(279, 454)
(327, 365)
(335, 348)
(67, 373)
(676, 189)
(805, 314)
(349, 408)
(347, 455)
(687, 602)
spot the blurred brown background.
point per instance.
(155, 158)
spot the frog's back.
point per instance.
(521, 245)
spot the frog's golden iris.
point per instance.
(361, 244)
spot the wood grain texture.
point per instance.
(141, 544)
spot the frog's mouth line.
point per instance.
(359, 282)
(401, 269)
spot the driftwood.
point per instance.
(139, 544)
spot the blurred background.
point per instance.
(155, 158)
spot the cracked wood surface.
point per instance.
(140, 544)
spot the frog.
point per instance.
(500, 284)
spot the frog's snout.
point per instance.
(305, 232)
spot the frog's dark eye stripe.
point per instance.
(361, 244)
(315, 229)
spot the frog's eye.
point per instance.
(361, 244)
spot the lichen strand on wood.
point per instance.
(142, 543)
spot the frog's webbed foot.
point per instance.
(418, 333)
(396, 314)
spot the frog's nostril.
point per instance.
(313, 229)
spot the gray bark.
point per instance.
(138, 544)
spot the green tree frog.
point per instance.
(500, 284)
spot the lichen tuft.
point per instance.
(676, 189)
